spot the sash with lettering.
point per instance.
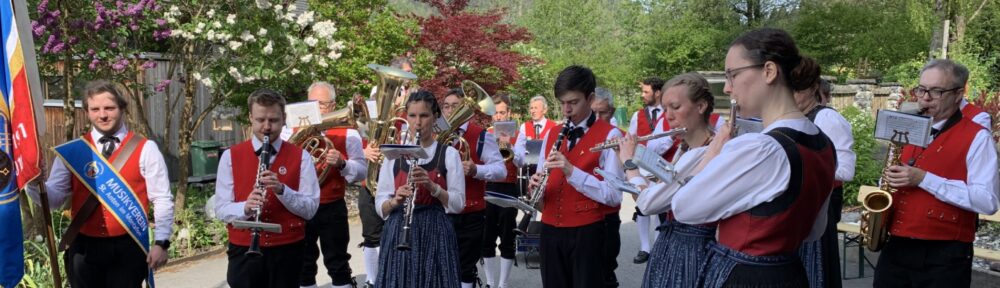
(104, 183)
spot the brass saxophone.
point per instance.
(875, 217)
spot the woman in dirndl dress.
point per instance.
(766, 191)
(680, 249)
(432, 257)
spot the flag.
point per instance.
(19, 162)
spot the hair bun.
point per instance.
(805, 75)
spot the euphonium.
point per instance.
(875, 217)
(313, 141)
(383, 130)
(463, 113)
(264, 161)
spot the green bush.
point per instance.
(868, 167)
(194, 231)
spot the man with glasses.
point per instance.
(329, 225)
(942, 188)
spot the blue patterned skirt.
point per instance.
(432, 260)
(677, 255)
(812, 258)
(726, 267)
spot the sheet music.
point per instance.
(505, 128)
(534, 149)
(650, 161)
(305, 113)
(617, 183)
(396, 151)
(745, 126)
(917, 128)
(372, 108)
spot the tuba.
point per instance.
(463, 113)
(875, 217)
(313, 141)
(383, 130)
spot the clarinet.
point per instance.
(264, 160)
(404, 242)
(539, 192)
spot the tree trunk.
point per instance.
(941, 11)
(187, 128)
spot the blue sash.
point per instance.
(114, 193)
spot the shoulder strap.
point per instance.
(787, 198)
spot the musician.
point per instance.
(976, 114)
(500, 220)
(290, 197)
(941, 190)
(329, 225)
(767, 191)
(101, 251)
(821, 257)
(603, 106)
(433, 258)
(680, 249)
(536, 129)
(825, 90)
(484, 164)
(573, 228)
(644, 122)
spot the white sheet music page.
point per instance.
(916, 128)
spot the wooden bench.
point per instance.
(852, 238)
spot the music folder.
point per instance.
(507, 201)
(266, 227)
(648, 160)
(396, 151)
(617, 183)
(505, 128)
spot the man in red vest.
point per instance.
(101, 253)
(942, 188)
(604, 106)
(536, 129)
(500, 221)
(576, 198)
(290, 197)
(329, 225)
(482, 162)
(644, 122)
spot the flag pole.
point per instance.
(50, 237)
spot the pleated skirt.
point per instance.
(811, 254)
(678, 255)
(432, 260)
(725, 267)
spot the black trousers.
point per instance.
(469, 229)
(500, 222)
(329, 226)
(612, 245)
(279, 267)
(573, 257)
(371, 223)
(105, 262)
(831, 247)
(906, 262)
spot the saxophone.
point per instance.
(875, 218)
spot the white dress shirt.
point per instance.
(983, 119)
(356, 166)
(302, 203)
(586, 183)
(152, 168)
(493, 168)
(659, 146)
(656, 199)
(750, 170)
(456, 180)
(519, 147)
(979, 192)
(839, 130)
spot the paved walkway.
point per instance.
(211, 271)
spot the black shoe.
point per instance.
(642, 257)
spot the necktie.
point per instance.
(652, 118)
(538, 130)
(935, 132)
(270, 149)
(572, 136)
(109, 144)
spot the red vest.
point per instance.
(332, 188)
(475, 189)
(642, 123)
(970, 111)
(511, 169)
(713, 119)
(529, 129)
(917, 213)
(102, 223)
(564, 205)
(245, 163)
(780, 225)
(436, 171)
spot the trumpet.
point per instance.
(264, 160)
(536, 194)
(505, 151)
(615, 142)
(404, 242)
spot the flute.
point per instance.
(613, 143)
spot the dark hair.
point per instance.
(655, 82)
(455, 91)
(825, 88)
(575, 78)
(501, 97)
(425, 96)
(775, 45)
(697, 90)
(265, 98)
(103, 86)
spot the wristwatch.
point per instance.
(629, 165)
(165, 244)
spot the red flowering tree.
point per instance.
(470, 46)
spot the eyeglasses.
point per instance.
(935, 93)
(327, 103)
(731, 73)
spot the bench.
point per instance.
(852, 238)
